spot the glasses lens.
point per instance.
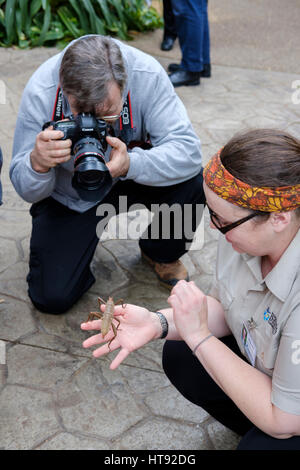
(214, 218)
(111, 119)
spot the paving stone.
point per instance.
(13, 279)
(94, 405)
(8, 253)
(127, 255)
(68, 441)
(143, 381)
(14, 224)
(222, 437)
(162, 434)
(170, 403)
(16, 319)
(28, 416)
(148, 357)
(109, 276)
(48, 369)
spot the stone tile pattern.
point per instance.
(53, 394)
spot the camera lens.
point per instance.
(91, 179)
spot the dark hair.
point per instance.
(88, 66)
(263, 158)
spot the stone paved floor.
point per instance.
(53, 394)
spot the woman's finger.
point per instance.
(183, 291)
(93, 340)
(105, 349)
(204, 308)
(174, 301)
(119, 358)
(91, 325)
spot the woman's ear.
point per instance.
(280, 220)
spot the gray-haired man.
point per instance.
(99, 75)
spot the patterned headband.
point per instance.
(225, 185)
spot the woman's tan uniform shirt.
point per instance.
(270, 308)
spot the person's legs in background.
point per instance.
(170, 33)
(193, 33)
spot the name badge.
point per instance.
(249, 346)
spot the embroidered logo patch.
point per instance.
(271, 318)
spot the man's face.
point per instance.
(109, 110)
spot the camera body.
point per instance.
(92, 179)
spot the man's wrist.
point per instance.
(36, 166)
(127, 165)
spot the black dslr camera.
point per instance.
(92, 179)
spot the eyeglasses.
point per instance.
(225, 228)
(111, 119)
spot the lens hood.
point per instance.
(92, 179)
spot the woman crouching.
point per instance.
(236, 353)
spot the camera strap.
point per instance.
(58, 114)
(125, 122)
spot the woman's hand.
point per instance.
(137, 327)
(189, 312)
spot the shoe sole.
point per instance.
(196, 82)
(203, 75)
(161, 281)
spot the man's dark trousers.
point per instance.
(63, 241)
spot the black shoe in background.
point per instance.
(183, 77)
(206, 72)
(167, 43)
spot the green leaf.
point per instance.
(106, 13)
(46, 23)
(35, 6)
(92, 14)
(65, 15)
(2, 17)
(81, 14)
(100, 26)
(24, 13)
(119, 8)
(10, 12)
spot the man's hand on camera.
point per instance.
(118, 164)
(49, 150)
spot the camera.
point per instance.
(92, 179)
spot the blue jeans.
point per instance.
(193, 33)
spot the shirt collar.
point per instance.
(280, 280)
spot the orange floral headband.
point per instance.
(225, 185)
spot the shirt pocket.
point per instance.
(268, 345)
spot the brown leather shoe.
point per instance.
(168, 273)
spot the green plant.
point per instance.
(34, 23)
